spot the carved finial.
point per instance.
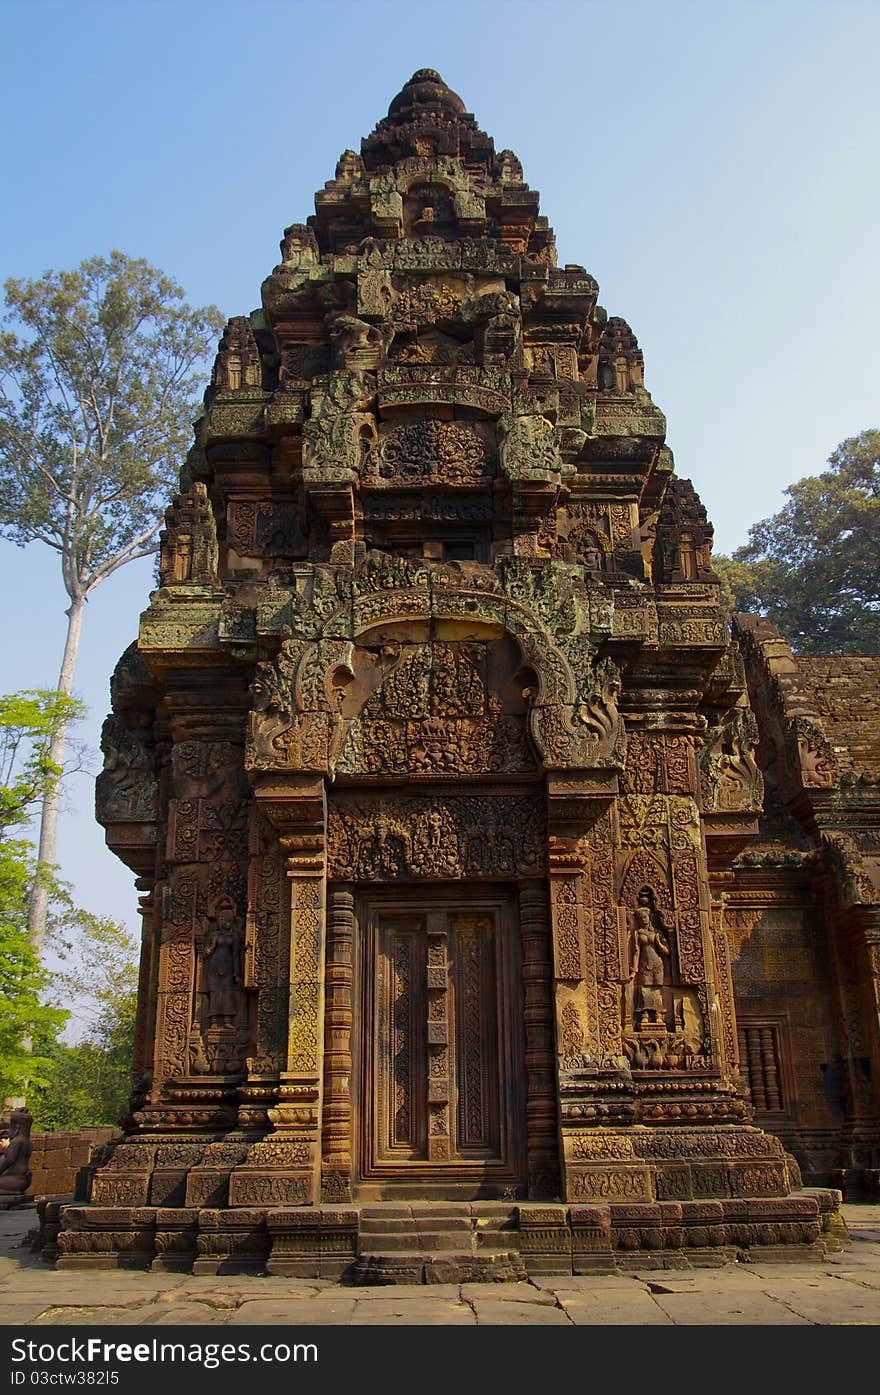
(188, 542)
(426, 91)
(299, 245)
(683, 545)
(349, 168)
(237, 364)
(508, 169)
(621, 363)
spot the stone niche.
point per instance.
(432, 759)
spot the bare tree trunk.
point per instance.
(38, 909)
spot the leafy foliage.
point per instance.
(814, 567)
(99, 371)
(90, 1082)
(28, 722)
(24, 1014)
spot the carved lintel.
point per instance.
(293, 804)
(726, 836)
(574, 805)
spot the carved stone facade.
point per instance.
(431, 745)
(801, 911)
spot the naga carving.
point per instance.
(730, 780)
(583, 735)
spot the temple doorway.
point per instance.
(441, 1087)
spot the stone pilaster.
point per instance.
(541, 1106)
(336, 1140)
(284, 1168)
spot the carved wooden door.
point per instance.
(442, 1091)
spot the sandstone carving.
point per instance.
(437, 765)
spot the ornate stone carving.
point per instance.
(126, 791)
(683, 544)
(528, 450)
(585, 735)
(730, 780)
(438, 756)
(359, 347)
(237, 364)
(340, 432)
(649, 948)
(621, 364)
(816, 756)
(420, 838)
(223, 972)
(265, 529)
(188, 542)
(434, 714)
(429, 452)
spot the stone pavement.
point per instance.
(844, 1289)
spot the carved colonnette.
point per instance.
(433, 758)
(283, 1168)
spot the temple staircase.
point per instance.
(438, 1243)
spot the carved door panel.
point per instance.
(441, 1079)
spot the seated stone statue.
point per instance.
(15, 1176)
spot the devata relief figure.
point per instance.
(15, 1177)
(648, 950)
(223, 967)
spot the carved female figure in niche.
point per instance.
(591, 557)
(649, 949)
(222, 958)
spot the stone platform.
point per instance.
(841, 1289)
(441, 1242)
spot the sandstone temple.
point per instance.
(482, 933)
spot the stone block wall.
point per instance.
(59, 1160)
(846, 691)
(790, 1049)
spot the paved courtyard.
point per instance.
(844, 1289)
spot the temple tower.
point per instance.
(431, 758)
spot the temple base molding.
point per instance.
(444, 1242)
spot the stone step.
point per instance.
(425, 1225)
(452, 1210)
(501, 1211)
(387, 1225)
(462, 1234)
(423, 1241)
(496, 1239)
(446, 1239)
(446, 1267)
(448, 1225)
(382, 1242)
(428, 1193)
(389, 1209)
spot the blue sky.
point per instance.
(713, 165)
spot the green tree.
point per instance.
(28, 722)
(89, 1082)
(814, 567)
(24, 1014)
(99, 372)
